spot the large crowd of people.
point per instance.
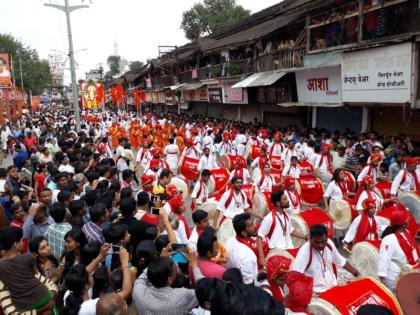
(158, 214)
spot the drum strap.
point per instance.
(408, 245)
(229, 199)
(365, 228)
(273, 223)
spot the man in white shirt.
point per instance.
(277, 227)
(208, 140)
(143, 154)
(241, 172)
(65, 166)
(207, 161)
(371, 169)
(241, 249)
(190, 150)
(293, 169)
(276, 147)
(171, 153)
(319, 258)
(289, 152)
(408, 179)
(200, 193)
(226, 146)
(265, 181)
(119, 152)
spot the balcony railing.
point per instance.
(186, 76)
(227, 69)
(166, 80)
(282, 59)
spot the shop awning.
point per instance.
(191, 86)
(260, 79)
(304, 104)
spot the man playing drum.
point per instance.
(240, 172)
(265, 181)
(398, 249)
(207, 161)
(232, 202)
(408, 179)
(289, 152)
(323, 163)
(319, 258)
(200, 193)
(337, 188)
(277, 227)
(293, 169)
(365, 227)
(190, 150)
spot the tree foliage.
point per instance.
(35, 71)
(114, 65)
(210, 16)
(135, 65)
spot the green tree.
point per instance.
(210, 16)
(135, 65)
(114, 65)
(35, 71)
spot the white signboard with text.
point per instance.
(319, 85)
(379, 75)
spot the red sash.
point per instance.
(295, 203)
(187, 227)
(273, 223)
(229, 199)
(328, 161)
(263, 179)
(416, 180)
(343, 187)
(261, 162)
(408, 244)
(272, 148)
(364, 229)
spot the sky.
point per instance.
(137, 26)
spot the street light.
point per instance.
(68, 9)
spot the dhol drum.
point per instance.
(306, 168)
(188, 167)
(289, 253)
(408, 292)
(308, 218)
(252, 152)
(225, 231)
(383, 189)
(364, 257)
(276, 162)
(325, 178)
(346, 299)
(310, 189)
(181, 185)
(351, 181)
(412, 225)
(210, 206)
(261, 203)
(343, 213)
(219, 180)
(228, 161)
(411, 200)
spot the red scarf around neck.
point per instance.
(261, 162)
(276, 291)
(364, 229)
(274, 145)
(408, 245)
(296, 202)
(343, 187)
(251, 244)
(230, 198)
(328, 156)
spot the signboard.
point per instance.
(215, 95)
(381, 75)
(161, 97)
(319, 85)
(169, 98)
(234, 95)
(200, 95)
(5, 78)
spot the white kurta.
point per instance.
(143, 156)
(243, 258)
(191, 152)
(321, 163)
(277, 239)
(390, 252)
(275, 149)
(287, 155)
(291, 171)
(246, 177)
(406, 185)
(333, 191)
(200, 192)
(237, 205)
(368, 170)
(208, 163)
(351, 233)
(321, 267)
(294, 204)
(266, 184)
(192, 241)
(172, 156)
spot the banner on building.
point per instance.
(379, 75)
(319, 85)
(5, 78)
(215, 95)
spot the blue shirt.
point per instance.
(20, 158)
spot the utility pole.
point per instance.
(68, 9)
(21, 75)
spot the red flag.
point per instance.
(100, 94)
(136, 98)
(36, 101)
(120, 94)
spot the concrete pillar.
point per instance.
(365, 119)
(314, 112)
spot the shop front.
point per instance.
(379, 81)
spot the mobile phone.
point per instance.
(116, 249)
(179, 247)
(155, 210)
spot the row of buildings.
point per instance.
(319, 63)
